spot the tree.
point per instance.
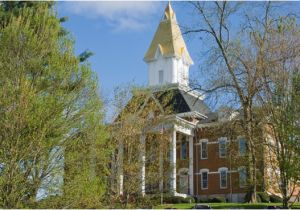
(142, 144)
(237, 59)
(237, 64)
(48, 104)
(280, 101)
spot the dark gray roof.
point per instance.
(172, 101)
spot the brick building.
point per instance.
(206, 155)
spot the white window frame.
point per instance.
(205, 170)
(239, 171)
(220, 170)
(222, 139)
(161, 76)
(201, 154)
(239, 148)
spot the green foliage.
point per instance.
(226, 206)
(85, 55)
(217, 199)
(201, 200)
(264, 197)
(50, 113)
(146, 202)
(275, 199)
(177, 199)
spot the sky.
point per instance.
(119, 34)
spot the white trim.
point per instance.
(213, 172)
(191, 92)
(207, 125)
(184, 130)
(216, 172)
(201, 182)
(209, 142)
(173, 162)
(191, 165)
(201, 155)
(220, 178)
(192, 114)
(225, 141)
(188, 123)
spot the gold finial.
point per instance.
(169, 13)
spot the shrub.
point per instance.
(248, 197)
(217, 199)
(189, 199)
(203, 200)
(275, 199)
(155, 198)
(264, 197)
(258, 199)
(144, 202)
(177, 199)
(199, 199)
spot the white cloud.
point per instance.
(120, 15)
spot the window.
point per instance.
(223, 177)
(183, 150)
(204, 179)
(161, 76)
(183, 180)
(222, 147)
(2, 167)
(242, 176)
(204, 154)
(242, 146)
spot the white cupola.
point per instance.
(167, 57)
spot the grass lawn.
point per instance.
(226, 205)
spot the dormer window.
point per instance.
(160, 76)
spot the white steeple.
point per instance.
(167, 57)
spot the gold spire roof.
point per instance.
(168, 39)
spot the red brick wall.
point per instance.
(213, 163)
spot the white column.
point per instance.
(120, 166)
(191, 165)
(143, 166)
(173, 162)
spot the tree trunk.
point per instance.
(251, 147)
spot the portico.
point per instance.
(182, 169)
